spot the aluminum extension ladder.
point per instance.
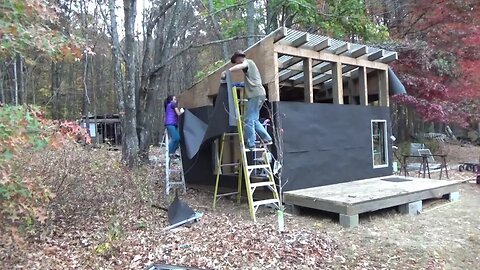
(169, 183)
(245, 170)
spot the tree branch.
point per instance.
(160, 66)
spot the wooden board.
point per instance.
(367, 195)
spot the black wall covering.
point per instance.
(327, 144)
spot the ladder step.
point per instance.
(229, 164)
(255, 149)
(227, 194)
(175, 183)
(231, 134)
(261, 184)
(263, 202)
(261, 166)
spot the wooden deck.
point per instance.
(352, 198)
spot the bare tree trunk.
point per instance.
(15, 75)
(130, 123)
(272, 22)
(55, 88)
(216, 28)
(250, 22)
(2, 91)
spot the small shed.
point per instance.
(104, 129)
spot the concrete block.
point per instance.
(413, 208)
(454, 196)
(348, 221)
(292, 209)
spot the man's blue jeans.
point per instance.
(252, 124)
(174, 138)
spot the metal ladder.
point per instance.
(168, 168)
(245, 169)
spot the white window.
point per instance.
(379, 144)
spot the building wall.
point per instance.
(327, 144)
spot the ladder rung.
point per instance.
(261, 166)
(242, 100)
(231, 134)
(263, 202)
(227, 194)
(255, 149)
(229, 164)
(261, 184)
(175, 183)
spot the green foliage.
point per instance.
(445, 64)
(209, 69)
(24, 131)
(26, 25)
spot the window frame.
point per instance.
(385, 134)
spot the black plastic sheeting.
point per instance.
(394, 84)
(196, 132)
(179, 211)
(327, 144)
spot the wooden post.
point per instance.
(363, 86)
(273, 84)
(351, 91)
(307, 80)
(383, 88)
(337, 86)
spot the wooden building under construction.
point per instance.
(330, 101)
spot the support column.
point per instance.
(337, 83)
(363, 86)
(307, 80)
(383, 88)
(274, 85)
(351, 92)
(348, 221)
(413, 208)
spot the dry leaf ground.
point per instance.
(101, 218)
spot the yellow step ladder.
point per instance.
(245, 170)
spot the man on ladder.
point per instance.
(255, 94)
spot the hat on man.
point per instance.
(235, 55)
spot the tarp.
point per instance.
(394, 84)
(222, 120)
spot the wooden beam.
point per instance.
(344, 48)
(274, 85)
(307, 84)
(290, 62)
(351, 92)
(328, 57)
(299, 41)
(389, 58)
(383, 88)
(337, 79)
(315, 72)
(376, 55)
(322, 79)
(288, 75)
(279, 34)
(326, 43)
(359, 52)
(363, 86)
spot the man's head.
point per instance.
(238, 57)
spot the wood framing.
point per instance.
(337, 83)
(328, 57)
(315, 64)
(363, 86)
(308, 82)
(383, 88)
